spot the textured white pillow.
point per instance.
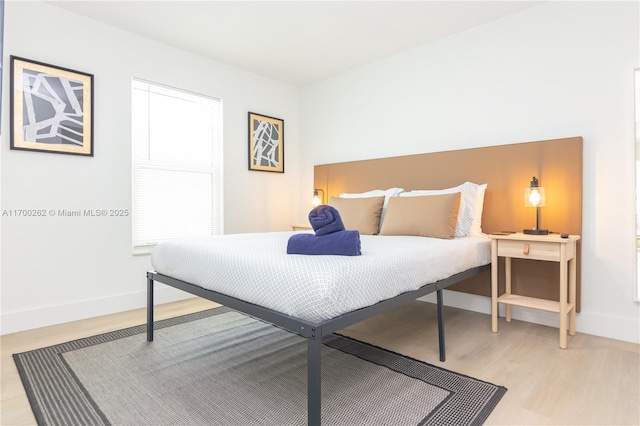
(466, 212)
(476, 225)
(391, 192)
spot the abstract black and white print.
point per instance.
(51, 108)
(52, 112)
(266, 143)
(266, 146)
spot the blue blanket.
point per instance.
(341, 243)
(325, 220)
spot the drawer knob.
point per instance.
(525, 250)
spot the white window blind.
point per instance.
(177, 165)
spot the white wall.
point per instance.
(58, 269)
(557, 70)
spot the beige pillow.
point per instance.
(361, 214)
(426, 216)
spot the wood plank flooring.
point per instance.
(595, 381)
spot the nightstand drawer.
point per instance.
(538, 250)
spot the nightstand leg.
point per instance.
(494, 285)
(563, 296)
(507, 284)
(572, 296)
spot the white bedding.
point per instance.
(256, 268)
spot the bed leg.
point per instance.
(149, 309)
(314, 382)
(440, 327)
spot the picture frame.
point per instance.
(51, 108)
(266, 143)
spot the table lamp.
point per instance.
(534, 197)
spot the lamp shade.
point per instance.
(316, 198)
(534, 197)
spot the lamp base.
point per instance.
(536, 231)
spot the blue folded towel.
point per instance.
(325, 220)
(341, 243)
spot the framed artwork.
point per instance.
(51, 108)
(266, 143)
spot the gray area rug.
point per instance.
(220, 367)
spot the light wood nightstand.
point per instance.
(550, 248)
(301, 227)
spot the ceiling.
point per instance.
(295, 42)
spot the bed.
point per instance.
(314, 296)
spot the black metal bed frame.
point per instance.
(313, 332)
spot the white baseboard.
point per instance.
(13, 322)
(586, 322)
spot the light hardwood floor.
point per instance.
(595, 381)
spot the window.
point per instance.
(177, 165)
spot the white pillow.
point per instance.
(476, 225)
(391, 192)
(467, 211)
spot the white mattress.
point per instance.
(256, 268)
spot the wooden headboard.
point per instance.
(507, 169)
